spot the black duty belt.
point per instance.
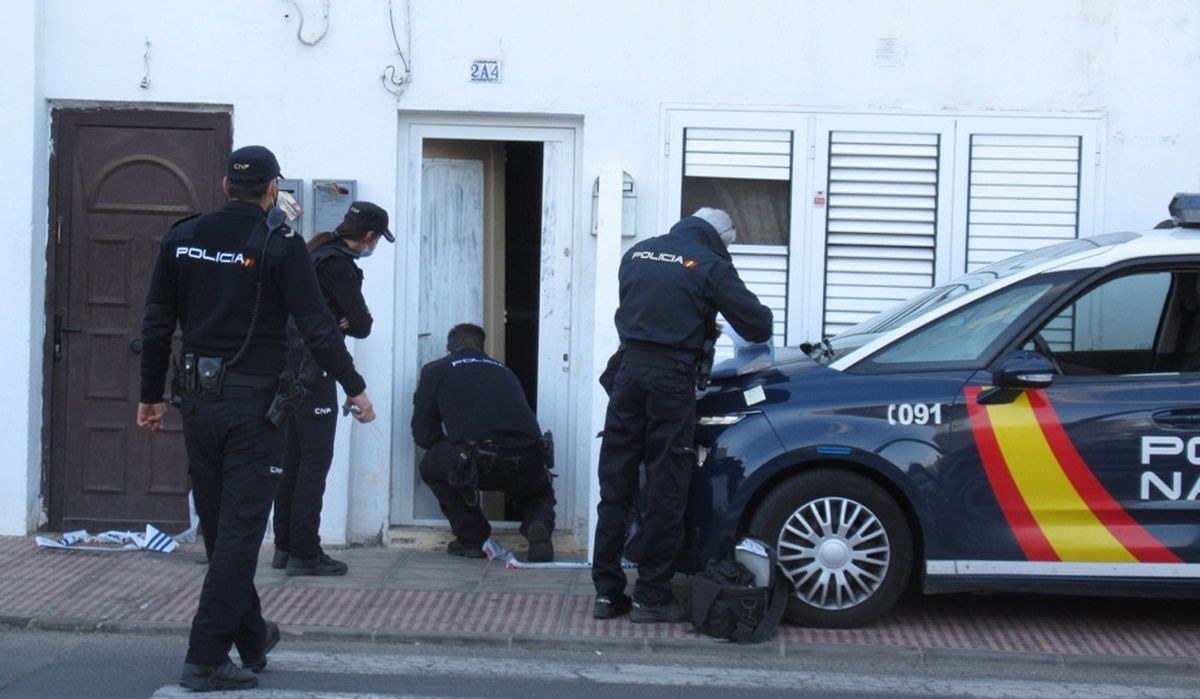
(266, 383)
(657, 360)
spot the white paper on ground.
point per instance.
(151, 540)
(81, 540)
(495, 550)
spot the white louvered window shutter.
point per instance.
(881, 222)
(748, 173)
(1024, 193)
(747, 154)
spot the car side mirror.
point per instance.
(1017, 372)
(1024, 370)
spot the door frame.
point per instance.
(60, 189)
(560, 232)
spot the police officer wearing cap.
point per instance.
(230, 279)
(671, 288)
(471, 415)
(312, 427)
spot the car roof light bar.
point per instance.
(1185, 209)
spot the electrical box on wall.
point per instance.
(331, 200)
(628, 206)
(296, 189)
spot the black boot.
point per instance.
(611, 606)
(669, 612)
(541, 548)
(258, 662)
(458, 548)
(280, 560)
(203, 678)
(318, 565)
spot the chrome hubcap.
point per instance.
(835, 551)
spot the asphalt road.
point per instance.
(54, 664)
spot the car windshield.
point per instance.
(929, 301)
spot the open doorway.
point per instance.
(481, 251)
(489, 237)
(523, 261)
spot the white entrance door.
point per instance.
(451, 268)
(449, 265)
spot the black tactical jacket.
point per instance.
(672, 287)
(468, 396)
(204, 280)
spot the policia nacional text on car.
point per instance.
(230, 279)
(671, 288)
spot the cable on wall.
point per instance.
(391, 80)
(300, 27)
(145, 84)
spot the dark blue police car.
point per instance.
(1033, 425)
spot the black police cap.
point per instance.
(252, 165)
(366, 216)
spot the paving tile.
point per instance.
(313, 606)
(429, 583)
(419, 591)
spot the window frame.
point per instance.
(1060, 283)
(811, 128)
(1173, 264)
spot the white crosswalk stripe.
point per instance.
(260, 693)
(649, 675)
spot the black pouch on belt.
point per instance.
(210, 373)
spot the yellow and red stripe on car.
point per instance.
(1056, 507)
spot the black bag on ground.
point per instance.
(728, 602)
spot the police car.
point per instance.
(1033, 425)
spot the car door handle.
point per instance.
(1182, 419)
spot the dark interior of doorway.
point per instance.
(522, 269)
(522, 260)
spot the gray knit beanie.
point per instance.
(720, 221)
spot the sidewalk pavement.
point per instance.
(413, 592)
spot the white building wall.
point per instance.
(23, 268)
(615, 65)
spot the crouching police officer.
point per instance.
(230, 279)
(491, 441)
(671, 288)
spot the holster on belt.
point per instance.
(464, 474)
(486, 465)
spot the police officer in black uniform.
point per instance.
(230, 279)
(671, 288)
(471, 415)
(308, 451)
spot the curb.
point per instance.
(16, 620)
(665, 646)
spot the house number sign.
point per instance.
(485, 70)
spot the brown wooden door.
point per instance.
(120, 178)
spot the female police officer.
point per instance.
(310, 433)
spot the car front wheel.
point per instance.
(843, 545)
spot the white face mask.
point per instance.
(288, 204)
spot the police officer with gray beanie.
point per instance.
(229, 280)
(671, 288)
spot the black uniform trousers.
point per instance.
(308, 452)
(651, 420)
(233, 459)
(530, 489)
